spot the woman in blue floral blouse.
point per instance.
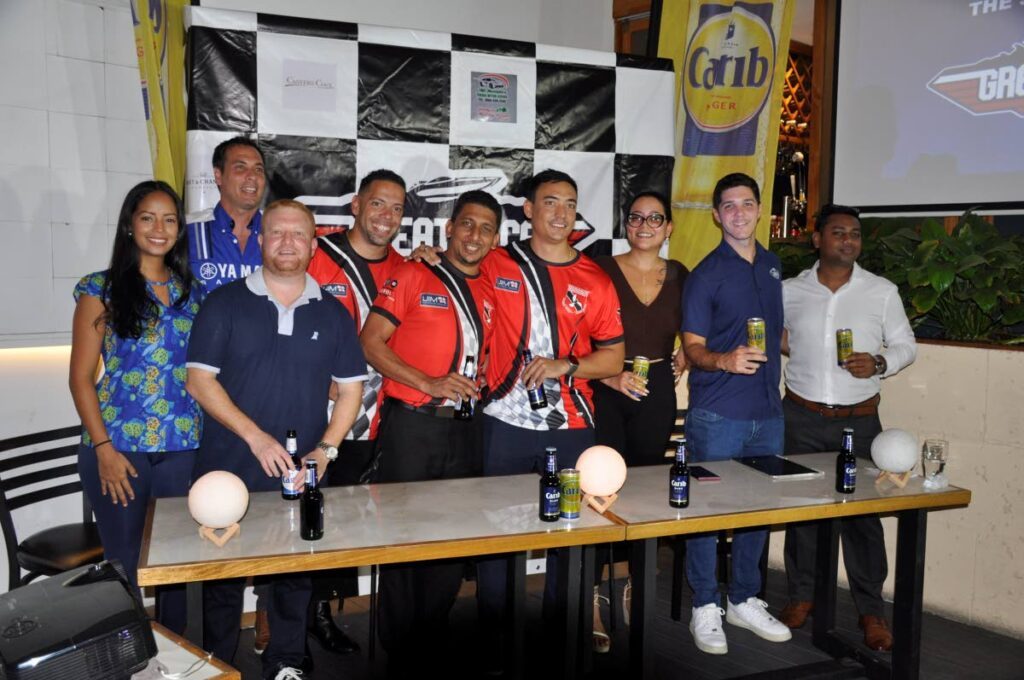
(141, 428)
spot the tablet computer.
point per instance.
(780, 468)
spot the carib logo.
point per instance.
(727, 78)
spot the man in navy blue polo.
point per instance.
(735, 405)
(262, 357)
(223, 242)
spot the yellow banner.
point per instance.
(730, 62)
(160, 46)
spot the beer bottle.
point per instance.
(311, 509)
(464, 409)
(679, 478)
(538, 399)
(289, 478)
(550, 490)
(846, 464)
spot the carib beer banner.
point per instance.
(160, 47)
(730, 61)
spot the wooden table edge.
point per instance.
(805, 513)
(386, 554)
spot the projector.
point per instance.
(86, 623)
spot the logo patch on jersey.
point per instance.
(432, 300)
(488, 312)
(509, 285)
(575, 300)
(336, 289)
(775, 273)
(208, 270)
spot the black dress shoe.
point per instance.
(330, 637)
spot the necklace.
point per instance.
(646, 294)
(158, 283)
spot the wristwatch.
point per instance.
(331, 452)
(880, 364)
(574, 365)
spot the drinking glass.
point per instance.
(933, 460)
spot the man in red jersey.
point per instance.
(352, 265)
(559, 304)
(428, 323)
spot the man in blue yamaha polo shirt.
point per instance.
(735, 405)
(222, 242)
(262, 357)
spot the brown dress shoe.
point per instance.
(876, 633)
(262, 631)
(795, 613)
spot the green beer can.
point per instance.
(755, 334)
(844, 345)
(569, 505)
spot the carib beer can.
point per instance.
(844, 345)
(641, 367)
(755, 334)
(569, 504)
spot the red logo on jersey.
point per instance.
(575, 300)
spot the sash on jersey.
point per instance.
(340, 251)
(471, 328)
(509, 401)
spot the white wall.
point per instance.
(575, 23)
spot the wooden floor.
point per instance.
(949, 650)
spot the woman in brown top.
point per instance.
(633, 416)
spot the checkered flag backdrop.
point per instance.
(332, 101)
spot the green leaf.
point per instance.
(925, 251)
(986, 298)
(917, 276)
(941, 277)
(932, 230)
(924, 299)
(972, 260)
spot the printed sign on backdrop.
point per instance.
(493, 97)
(308, 85)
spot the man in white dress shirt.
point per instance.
(823, 397)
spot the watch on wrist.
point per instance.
(330, 452)
(574, 365)
(880, 364)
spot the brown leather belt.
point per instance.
(868, 407)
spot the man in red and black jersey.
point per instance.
(352, 265)
(561, 305)
(427, 323)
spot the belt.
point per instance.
(435, 411)
(868, 407)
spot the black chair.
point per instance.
(57, 549)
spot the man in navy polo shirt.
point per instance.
(735, 405)
(263, 354)
(223, 242)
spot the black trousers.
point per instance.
(862, 537)
(415, 598)
(354, 456)
(286, 609)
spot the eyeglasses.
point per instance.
(654, 220)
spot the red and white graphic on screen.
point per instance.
(991, 85)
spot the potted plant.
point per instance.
(967, 285)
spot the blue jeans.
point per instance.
(712, 437)
(161, 475)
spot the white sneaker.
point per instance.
(753, 615)
(288, 673)
(706, 628)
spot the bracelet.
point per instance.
(96, 446)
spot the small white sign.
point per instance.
(309, 85)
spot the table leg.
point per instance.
(643, 561)
(194, 607)
(906, 617)
(517, 617)
(567, 603)
(586, 645)
(372, 637)
(826, 570)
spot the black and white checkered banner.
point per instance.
(332, 101)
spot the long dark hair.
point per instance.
(124, 293)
